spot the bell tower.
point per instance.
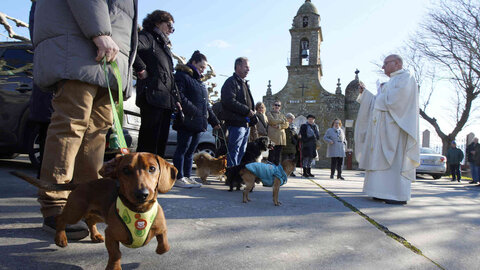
(306, 38)
(303, 91)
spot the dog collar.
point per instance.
(137, 224)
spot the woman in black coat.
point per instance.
(156, 92)
(198, 113)
(309, 136)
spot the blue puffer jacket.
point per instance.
(267, 172)
(194, 96)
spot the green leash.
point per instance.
(117, 109)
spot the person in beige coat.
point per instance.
(277, 123)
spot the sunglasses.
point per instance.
(277, 105)
(170, 26)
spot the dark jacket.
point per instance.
(234, 102)
(454, 156)
(470, 148)
(309, 144)
(64, 49)
(40, 103)
(476, 157)
(292, 140)
(194, 102)
(154, 56)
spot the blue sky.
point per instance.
(356, 35)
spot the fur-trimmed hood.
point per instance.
(190, 70)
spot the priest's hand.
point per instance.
(361, 87)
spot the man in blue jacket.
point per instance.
(238, 107)
(454, 160)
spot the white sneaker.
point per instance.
(192, 181)
(183, 183)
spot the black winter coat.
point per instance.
(476, 157)
(194, 100)
(309, 144)
(470, 148)
(154, 56)
(234, 102)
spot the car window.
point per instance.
(427, 151)
(16, 69)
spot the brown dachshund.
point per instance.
(208, 165)
(135, 179)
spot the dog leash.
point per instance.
(117, 109)
(226, 145)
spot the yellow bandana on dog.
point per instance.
(138, 224)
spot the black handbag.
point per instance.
(177, 119)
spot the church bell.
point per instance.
(304, 54)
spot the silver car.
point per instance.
(131, 127)
(432, 163)
(206, 143)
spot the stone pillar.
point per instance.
(426, 138)
(470, 137)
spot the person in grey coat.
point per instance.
(336, 141)
(71, 37)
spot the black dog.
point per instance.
(253, 153)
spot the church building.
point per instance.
(303, 93)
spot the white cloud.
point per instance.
(218, 43)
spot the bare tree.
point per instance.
(450, 40)
(11, 33)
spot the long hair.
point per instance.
(197, 57)
(157, 16)
(340, 122)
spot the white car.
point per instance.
(432, 163)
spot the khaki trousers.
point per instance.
(75, 143)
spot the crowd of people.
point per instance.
(80, 114)
(67, 62)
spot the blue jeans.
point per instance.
(183, 158)
(237, 144)
(474, 171)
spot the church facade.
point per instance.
(303, 93)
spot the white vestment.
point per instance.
(386, 137)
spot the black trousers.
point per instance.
(274, 155)
(336, 163)
(154, 129)
(455, 171)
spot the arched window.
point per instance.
(305, 21)
(304, 51)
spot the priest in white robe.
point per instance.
(386, 134)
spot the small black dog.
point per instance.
(253, 153)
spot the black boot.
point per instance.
(305, 174)
(339, 170)
(332, 168)
(310, 172)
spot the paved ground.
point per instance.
(209, 228)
